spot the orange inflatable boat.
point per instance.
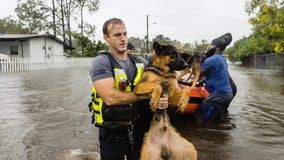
(196, 97)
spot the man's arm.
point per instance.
(112, 96)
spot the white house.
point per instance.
(34, 46)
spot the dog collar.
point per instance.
(161, 73)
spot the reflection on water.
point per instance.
(14, 124)
(44, 114)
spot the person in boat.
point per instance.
(130, 48)
(217, 83)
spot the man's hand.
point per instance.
(210, 50)
(210, 47)
(164, 102)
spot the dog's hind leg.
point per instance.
(190, 74)
(196, 68)
(150, 150)
(183, 72)
(180, 147)
(196, 78)
(155, 139)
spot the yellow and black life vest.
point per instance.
(117, 115)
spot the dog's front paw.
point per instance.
(183, 105)
(154, 104)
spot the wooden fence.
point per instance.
(25, 64)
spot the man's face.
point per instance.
(117, 38)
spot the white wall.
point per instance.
(41, 48)
(37, 51)
(34, 48)
(26, 49)
(54, 50)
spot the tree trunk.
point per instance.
(68, 15)
(53, 18)
(63, 20)
(82, 28)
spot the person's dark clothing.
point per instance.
(214, 106)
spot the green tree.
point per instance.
(200, 47)
(177, 44)
(33, 15)
(268, 25)
(263, 25)
(267, 30)
(140, 44)
(91, 48)
(254, 6)
(56, 15)
(187, 47)
(10, 26)
(91, 5)
(161, 39)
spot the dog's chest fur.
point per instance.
(166, 80)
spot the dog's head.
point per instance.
(196, 56)
(187, 57)
(167, 56)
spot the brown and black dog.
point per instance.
(194, 66)
(159, 78)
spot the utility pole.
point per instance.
(147, 36)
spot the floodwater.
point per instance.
(44, 116)
(257, 112)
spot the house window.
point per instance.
(14, 50)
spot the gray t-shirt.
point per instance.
(101, 67)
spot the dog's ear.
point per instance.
(157, 47)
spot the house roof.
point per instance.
(23, 37)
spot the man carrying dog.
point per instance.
(120, 115)
(217, 82)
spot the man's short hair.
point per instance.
(111, 21)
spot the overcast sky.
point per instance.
(183, 20)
